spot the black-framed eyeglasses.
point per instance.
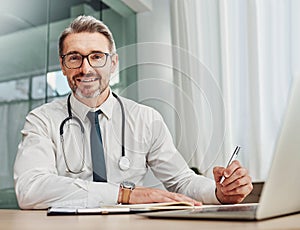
(75, 60)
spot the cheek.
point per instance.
(71, 84)
(71, 81)
(69, 76)
(70, 73)
(104, 74)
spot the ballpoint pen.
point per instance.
(232, 158)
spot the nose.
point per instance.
(85, 67)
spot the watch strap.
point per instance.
(126, 192)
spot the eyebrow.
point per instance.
(93, 51)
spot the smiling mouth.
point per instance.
(90, 79)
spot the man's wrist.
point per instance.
(216, 194)
(126, 188)
(120, 195)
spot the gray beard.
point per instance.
(95, 94)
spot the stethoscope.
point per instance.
(124, 162)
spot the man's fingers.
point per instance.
(236, 175)
(182, 198)
(218, 173)
(232, 168)
(239, 186)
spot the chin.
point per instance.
(87, 95)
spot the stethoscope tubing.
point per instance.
(124, 162)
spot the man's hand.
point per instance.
(236, 186)
(142, 195)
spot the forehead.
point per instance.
(85, 43)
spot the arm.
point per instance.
(38, 182)
(169, 166)
(171, 169)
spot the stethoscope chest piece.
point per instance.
(124, 163)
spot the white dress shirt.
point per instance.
(40, 172)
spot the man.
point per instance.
(56, 166)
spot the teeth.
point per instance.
(88, 80)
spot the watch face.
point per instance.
(128, 184)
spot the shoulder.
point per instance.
(46, 117)
(53, 108)
(136, 109)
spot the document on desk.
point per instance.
(119, 209)
(155, 206)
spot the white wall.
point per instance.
(155, 75)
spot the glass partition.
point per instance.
(30, 74)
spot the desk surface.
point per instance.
(17, 219)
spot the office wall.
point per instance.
(155, 76)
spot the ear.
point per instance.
(114, 63)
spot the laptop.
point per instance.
(281, 192)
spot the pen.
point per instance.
(232, 158)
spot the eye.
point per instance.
(73, 57)
(97, 56)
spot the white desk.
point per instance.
(31, 220)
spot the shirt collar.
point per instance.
(81, 109)
(108, 105)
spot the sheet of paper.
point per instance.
(153, 206)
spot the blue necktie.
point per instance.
(99, 168)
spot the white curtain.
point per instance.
(236, 60)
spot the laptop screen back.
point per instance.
(280, 194)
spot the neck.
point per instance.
(96, 101)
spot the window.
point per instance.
(30, 73)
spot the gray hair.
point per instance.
(87, 24)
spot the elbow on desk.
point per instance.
(27, 196)
(24, 198)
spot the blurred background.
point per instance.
(219, 72)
